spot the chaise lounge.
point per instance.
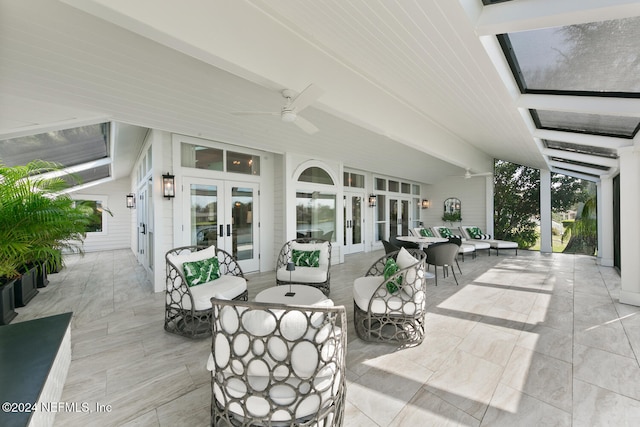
(475, 234)
(447, 233)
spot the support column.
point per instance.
(630, 226)
(489, 212)
(605, 221)
(546, 243)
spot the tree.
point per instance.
(583, 232)
(517, 200)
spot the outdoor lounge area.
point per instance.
(312, 144)
(524, 340)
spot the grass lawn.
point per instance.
(557, 244)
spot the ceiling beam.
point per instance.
(578, 168)
(576, 174)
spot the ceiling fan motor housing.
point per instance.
(288, 116)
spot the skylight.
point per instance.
(69, 147)
(596, 58)
(84, 151)
(596, 124)
(581, 149)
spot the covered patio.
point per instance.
(533, 339)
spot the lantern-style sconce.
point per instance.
(425, 204)
(131, 200)
(372, 200)
(168, 186)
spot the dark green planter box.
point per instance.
(7, 302)
(25, 287)
(28, 357)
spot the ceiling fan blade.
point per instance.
(306, 125)
(306, 97)
(255, 113)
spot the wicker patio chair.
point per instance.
(319, 276)
(188, 309)
(276, 364)
(392, 309)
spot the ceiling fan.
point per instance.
(469, 175)
(294, 105)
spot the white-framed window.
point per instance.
(96, 206)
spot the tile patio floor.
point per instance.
(527, 340)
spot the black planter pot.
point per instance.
(7, 302)
(25, 287)
(41, 276)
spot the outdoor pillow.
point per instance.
(404, 259)
(306, 258)
(390, 268)
(203, 271)
(425, 232)
(445, 232)
(476, 233)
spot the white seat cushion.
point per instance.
(466, 248)
(478, 244)
(226, 287)
(304, 274)
(503, 244)
(365, 287)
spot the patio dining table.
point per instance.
(421, 240)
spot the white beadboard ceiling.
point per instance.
(412, 81)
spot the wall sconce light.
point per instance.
(372, 200)
(131, 200)
(168, 186)
(425, 204)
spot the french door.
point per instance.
(222, 213)
(353, 222)
(398, 217)
(145, 225)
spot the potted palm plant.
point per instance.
(37, 221)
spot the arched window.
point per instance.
(316, 175)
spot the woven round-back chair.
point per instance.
(392, 309)
(277, 364)
(188, 309)
(319, 277)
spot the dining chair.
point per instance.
(442, 255)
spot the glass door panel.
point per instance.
(204, 214)
(404, 218)
(356, 219)
(242, 213)
(353, 223)
(395, 226)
